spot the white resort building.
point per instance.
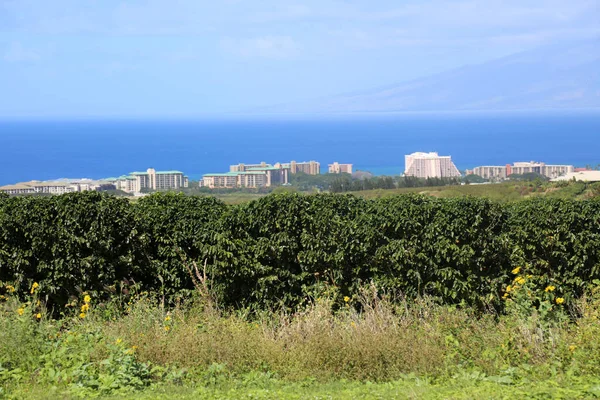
(249, 176)
(429, 165)
(151, 179)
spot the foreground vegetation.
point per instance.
(295, 296)
(374, 346)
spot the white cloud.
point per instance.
(17, 53)
(263, 47)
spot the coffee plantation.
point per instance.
(283, 249)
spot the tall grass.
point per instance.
(368, 338)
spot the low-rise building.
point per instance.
(583, 176)
(307, 167)
(55, 187)
(248, 176)
(337, 168)
(491, 172)
(151, 179)
(550, 171)
(429, 165)
(498, 173)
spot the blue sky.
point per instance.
(140, 58)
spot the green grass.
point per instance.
(461, 387)
(502, 192)
(388, 349)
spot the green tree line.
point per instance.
(349, 184)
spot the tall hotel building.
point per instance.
(429, 165)
(307, 167)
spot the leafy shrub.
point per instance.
(281, 249)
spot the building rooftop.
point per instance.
(223, 174)
(157, 172)
(263, 169)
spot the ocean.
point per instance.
(52, 149)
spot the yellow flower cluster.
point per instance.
(550, 288)
(167, 324)
(560, 300)
(34, 287)
(346, 299)
(519, 280)
(516, 270)
(86, 306)
(10, 288)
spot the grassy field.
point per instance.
(370, 348)
(508, 191)
(502, 192)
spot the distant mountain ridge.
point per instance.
(552, 77)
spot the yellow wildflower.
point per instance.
(572, 347)
(21, 311)
(38, 303)
(168, 318)
(516, 270)
(82, 315)
(528, 276)
(550, 288)
(38, 316)
(34, 286)
(508, 289)
(87, 299)
(119, 341)
(10, 288)
(346, 299)
(505, 295)
(520, 280)
(134, 348)
(85, 308)
(560, 300)
(167, 328)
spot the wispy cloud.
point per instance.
(264, 47)
(17, 53)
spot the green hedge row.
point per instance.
(282, 248)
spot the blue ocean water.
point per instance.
(51, 149)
